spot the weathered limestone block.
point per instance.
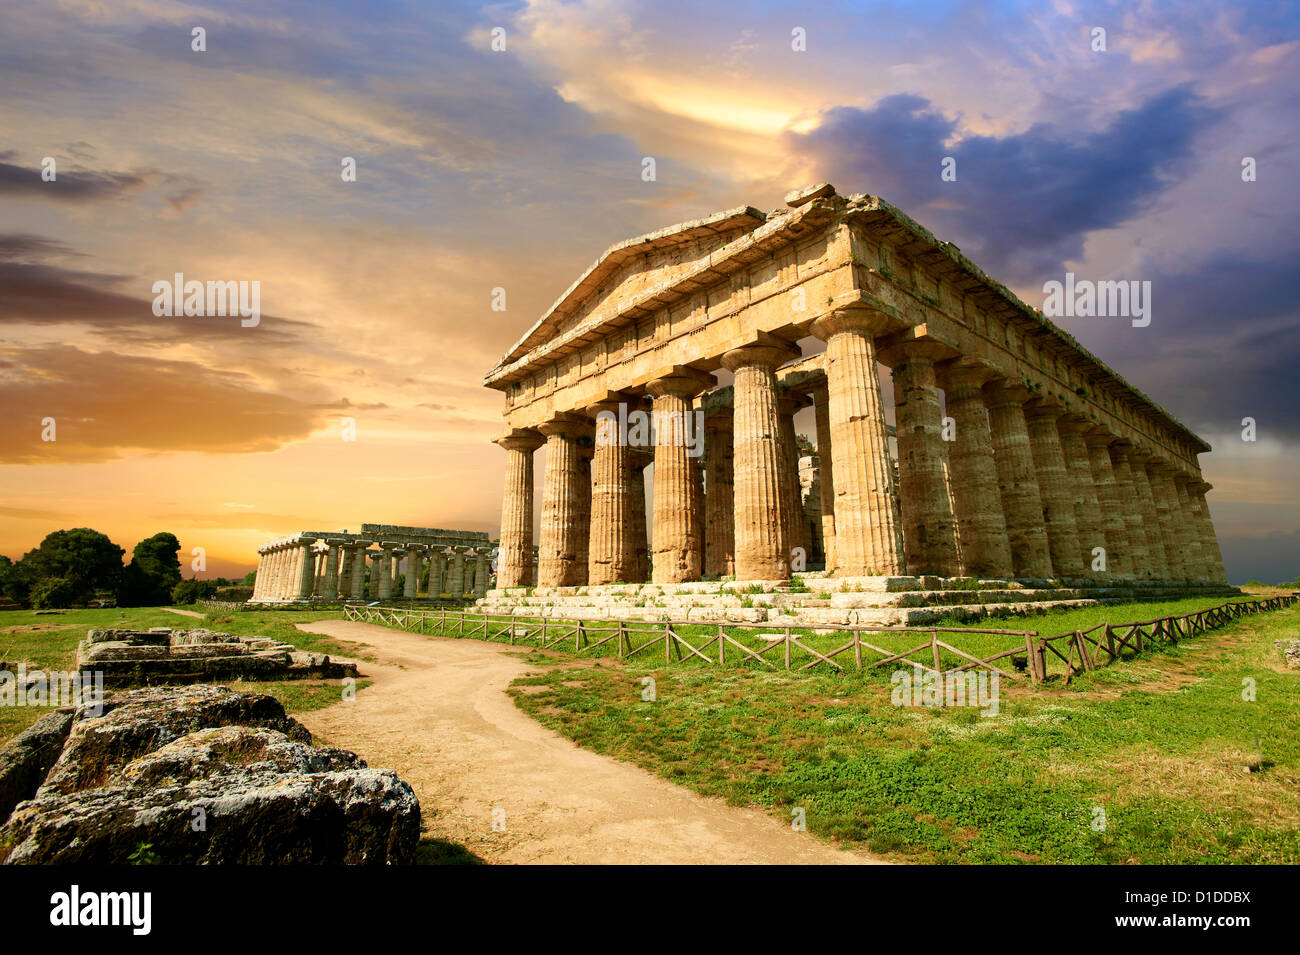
(1087, 507)
(1150, 520)
(1055, 487)
(1119, 561)
(866, 503)
(26, 759)
(1127, 493)
(1021, 503)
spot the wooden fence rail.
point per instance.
(629, 638)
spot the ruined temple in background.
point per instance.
(1017, 455)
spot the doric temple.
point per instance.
(331, 565)
(1016, 454)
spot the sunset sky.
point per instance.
(479, 168)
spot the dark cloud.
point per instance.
(79, 185)
(1270, 559)
(1045, 189)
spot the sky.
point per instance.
(481, 168)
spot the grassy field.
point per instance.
(50, 640)
(1155, 759)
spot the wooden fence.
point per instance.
(1079, 650)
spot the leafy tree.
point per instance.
(191, 590)
(12, 585)
(54, 592)
(154, 570)
(83, 557)
(250, 578)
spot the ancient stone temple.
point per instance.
(1015, 454)
(332, 565)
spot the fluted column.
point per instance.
(411, 585)
(515, 558)
(1055, 488)
(1146, 502)
(1087, 506)
(1159, 476)
(638, 542)
(825, 474)
(788, 449)
(330, 584)
(1209, 540)
(481, 572)
(759, 500)
(561, 506)
(471, 570)
(1189, 533)
(1119, 560)
(678, 550)
(1022, 505)
(719, 499)
(359, 570)
(610, 497)
(382, 572)
(306, 569)
(1124, 488)
(456, 572)
(438, 573)
(281, 555)
(925, 506)
(866, 508)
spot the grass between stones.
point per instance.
(50, 641)
(1184, 769)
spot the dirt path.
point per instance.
(439, 715)
(183, 613)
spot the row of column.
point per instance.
(296, 570)
(1022, 489)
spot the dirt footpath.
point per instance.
(439, 715)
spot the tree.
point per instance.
(191, 590)
(154, 570)
(250, 578)
(12, 585)
(53, 592)
(83, 557)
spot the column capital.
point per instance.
(1200, 487)
(1041, 406)
(965, 373)
(895, 351)
(766, 350)
(1073, 423)
(859, 319)
(520, 439)
(1006, 391)
(1099, 437)
(566, 424)
(682, 382)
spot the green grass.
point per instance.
(1163, 743)
(50, 641)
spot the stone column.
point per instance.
(359, 570)
(929, 536)
(515, 558)
(678, 550)
(719, 499)
(1119, 559)
(277, 565)
(1146, 502)
(759, 501)
(481, 572)
(471, 569)
(611, 505)
(1159, 476)
(438, 568)
(792, 527)
(1022, 504)
(330, 584)
(825, 476)
(411, 586)
(561, 508)
(1209, 540)
(583, 516)
(866, 509)
(307, 569)
(977, 502)
(638, 541)
(1055, 488)
(1187, 525)
(1087, 506)
(1137, 544)
(456, 573)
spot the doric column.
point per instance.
(481, 571)
(678, 550)
(1087, 507)
(515, 559)
(611, 509)
(788, 449)
(1209, 540)
(825, 476)
(438, 570)
(1119, 559)
(1146, 502)
(307, 569)
(1124, 488)
(257, 576)
(1165, 497)
(456, 573)
(276, 584)
(1022, 504)
(719, 499)
(977, 502)
(381, 574)
(330, 585)
(925, 506)
(1187, 525)
(359, 570)
(411, 586)
(561, 505)
(395, 570)
(866, 508)
(471, 570)
(759, 501)
(1055, 488)
(638, 542)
